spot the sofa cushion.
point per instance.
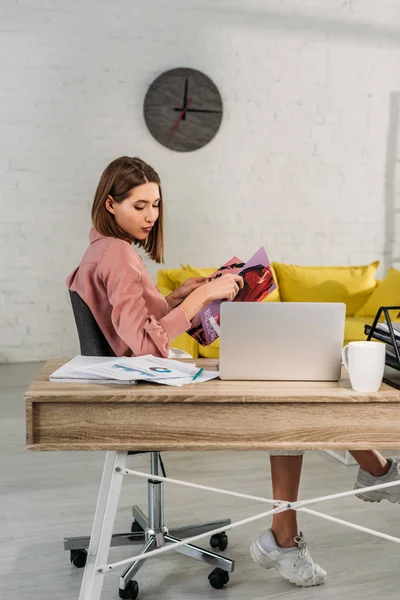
(351, 285)
(164, 290)
(387, 293)
(211, 351)
(166, 280)
(354, 329)
(187, 343)
(274, 296)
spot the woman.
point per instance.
(112, 278)
(136, 320)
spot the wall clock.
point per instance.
(183, 109)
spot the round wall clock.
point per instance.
(183, 109)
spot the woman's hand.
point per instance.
(225, 287)
(184, 290)
(190, 284)
(222, 288)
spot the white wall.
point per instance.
(299, 163)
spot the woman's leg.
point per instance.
(281, 547)
(371, 461)
(376, 469)
(285, 474)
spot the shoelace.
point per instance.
(303, 554)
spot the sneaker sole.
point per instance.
(376, 497)
(265, 562)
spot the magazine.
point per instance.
(258, 284)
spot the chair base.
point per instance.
(138, 537)
(152, 533)
(149, 541)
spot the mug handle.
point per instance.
(345, 359)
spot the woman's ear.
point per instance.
(110, 204)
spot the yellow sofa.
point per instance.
(355, 286)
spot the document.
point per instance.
(130, 370)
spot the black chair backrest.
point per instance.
(91, 338)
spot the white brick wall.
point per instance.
(299, 163)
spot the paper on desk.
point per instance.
(202, 378)
(206, 376)
(143, 368)
(129, 370)
(75, 371)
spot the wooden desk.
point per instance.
(216, 415)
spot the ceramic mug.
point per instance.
(365, 362)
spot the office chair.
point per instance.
(151, 530)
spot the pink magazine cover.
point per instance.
(258, 283)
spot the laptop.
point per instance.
(281, 341)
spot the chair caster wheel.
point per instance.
(218, 578)
(131, 592)
(220, 541)
(136, 528)
(78, 558)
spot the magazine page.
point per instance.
(258, 284)
(75, 368)
(257, 278)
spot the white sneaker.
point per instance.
(294, 564)
(365, 479)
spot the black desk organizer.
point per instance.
(392, 374)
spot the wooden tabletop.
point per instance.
(214, 415)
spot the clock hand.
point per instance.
(185, 96)
(179, 119)
(200, 110)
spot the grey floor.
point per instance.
(44, 496)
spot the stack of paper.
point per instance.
(124, 370)
(384, 327)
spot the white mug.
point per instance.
(365, 362)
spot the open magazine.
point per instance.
(258, 283)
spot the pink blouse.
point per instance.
(132, 314)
